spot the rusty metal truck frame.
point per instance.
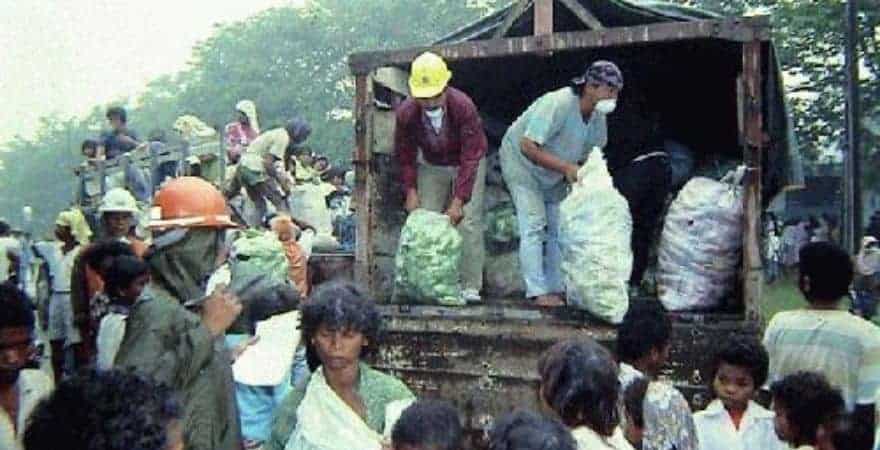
(752, 33)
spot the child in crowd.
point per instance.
(733, 421)
(825, 338)
(428, 425)
(124, 281)
(110, 410)
(525, 430)
(804, 403)
(643, 345)
(579, 384)
(844, 432)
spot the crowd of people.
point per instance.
(811, 384)
(146, 321)
(274, 167)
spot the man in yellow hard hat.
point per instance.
(440, 144)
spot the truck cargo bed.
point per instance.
(483, 358)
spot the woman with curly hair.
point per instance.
(107, 410)
(579, 382)
(345, 403)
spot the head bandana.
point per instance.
(299, 130)
(79, 228)
(250, 110)
(602, 72)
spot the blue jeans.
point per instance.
(539, 254)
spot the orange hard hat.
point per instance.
(190, 202)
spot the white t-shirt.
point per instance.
(33, 386)
(587, 439)
(715, 429)
(61, 266)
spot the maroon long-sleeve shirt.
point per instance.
(460, 143)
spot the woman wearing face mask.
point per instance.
(441, 146)
(539, 157)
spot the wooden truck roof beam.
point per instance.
(543, 23)
(738, 30)
(515, 11)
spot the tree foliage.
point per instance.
(289, 61)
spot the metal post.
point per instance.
(102, 172)
(154, 167)
(221, 154)
(852, 156)
(184, 156)
(124, 163)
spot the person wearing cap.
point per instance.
(173, 333)
(117, 218)
(441, 147)
(245, 129)
(72, 236)
(540, 154)
(261, 171)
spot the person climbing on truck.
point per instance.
(244, 130)
(441, 147)
(540, 153)
(259, 171)
(120, 139)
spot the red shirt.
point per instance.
(460, 143)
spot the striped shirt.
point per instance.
(842, 347)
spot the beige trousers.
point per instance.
(435, 188)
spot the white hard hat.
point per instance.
(118, 200)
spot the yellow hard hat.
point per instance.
(428, 76)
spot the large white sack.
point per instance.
(701, 244)
(594, 236)
(308, 202)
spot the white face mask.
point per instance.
(606, 106)
(436, 118)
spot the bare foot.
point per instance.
(549, 301)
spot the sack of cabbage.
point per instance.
(427, 261)
(594, 237)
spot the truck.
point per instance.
(716, 83)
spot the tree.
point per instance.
(289, 61)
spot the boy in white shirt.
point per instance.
(733, 421)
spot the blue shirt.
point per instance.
(113, 147)
(554, 122)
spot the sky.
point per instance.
(66, 56)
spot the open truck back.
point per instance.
(714, 81)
